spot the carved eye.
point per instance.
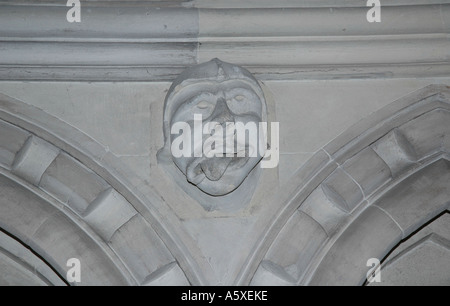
(203, 105)
(240, 98)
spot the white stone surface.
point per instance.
(343, 190)
(14, 274)
(331, 79)
(322, 209)
(94, 109)
(223, 240)
(296, 245)
(60, 240)
(141, 247)
(423, 142)
(142, 136)
(53, 235)
(368, 170)
(72, 183)
(272, 274)
(372, 236)
(439, 227)
(421, 260)
(419, 198)
(21, 267)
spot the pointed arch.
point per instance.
(65, 196)
(360, 196)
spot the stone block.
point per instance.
(270, 274)
(33, 159)
(108, 213)
(419, 198)
(21, 212)
(396, 151)
(72, 183)
(368, 170)
(322, 209)
(297, 244)
(170, 275)
(140, 248)
(11, 140)
(59, 239)
(427, 133)
(342, 190)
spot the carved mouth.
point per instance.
(214, 168)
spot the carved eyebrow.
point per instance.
(190, 102)
(197, 98)
(244, 92)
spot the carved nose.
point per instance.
(222, 114)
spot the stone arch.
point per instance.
(360, 196)
(64, 196)
(23, 267)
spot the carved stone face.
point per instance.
(222, 94)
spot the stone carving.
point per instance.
(218, 93)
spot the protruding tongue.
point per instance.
(215, 167)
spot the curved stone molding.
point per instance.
(366, 191)
(407, 206)
(108, 212)
(434, 250)
(423, 258)
(56, 236)
(58, 180)
(20, 266)
(62, 208)
(222, 95)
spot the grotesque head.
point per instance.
(222, 95)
